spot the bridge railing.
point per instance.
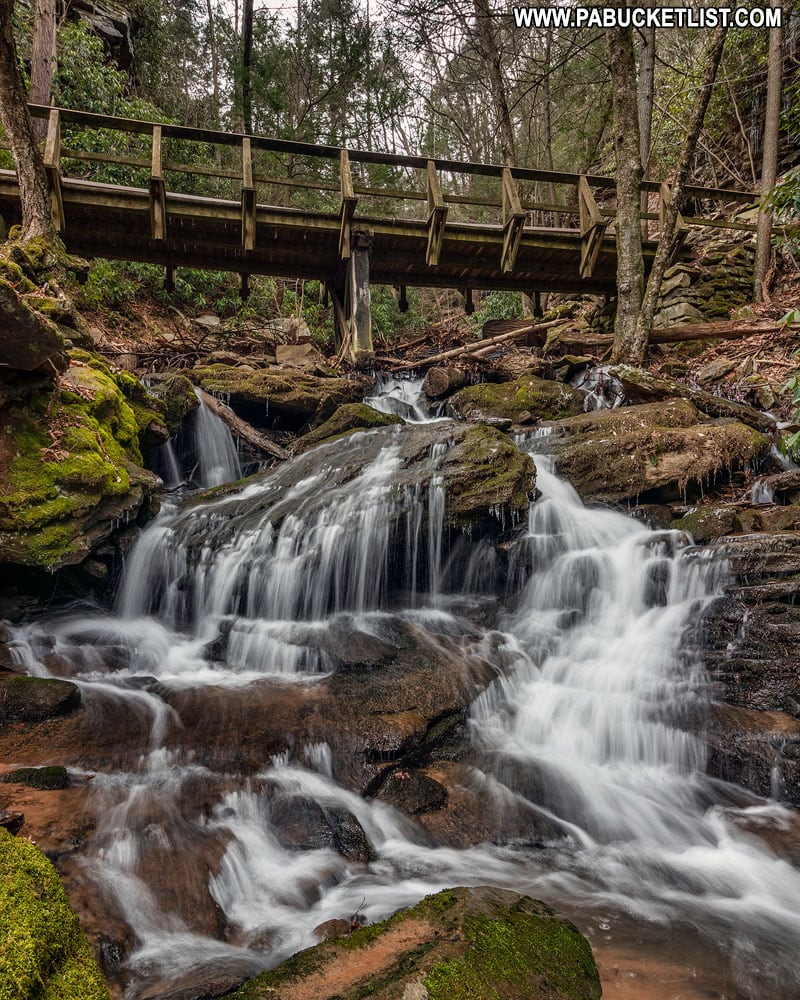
(326, 178)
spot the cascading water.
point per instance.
(593, 727)
(217, 458)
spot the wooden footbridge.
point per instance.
(186, 197)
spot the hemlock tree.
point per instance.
(43, 56)
(37, 214)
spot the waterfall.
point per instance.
(594, 724)
(217, 457)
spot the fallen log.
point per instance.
(481, 345)
(440, 382)
(240, 428)
(723, 330)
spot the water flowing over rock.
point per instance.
(363, 677)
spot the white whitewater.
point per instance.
(596, 724)
(217, 457)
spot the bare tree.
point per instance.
(644, 97)
(37, 214)
(247, 56)
(43, 55)
(212, 42)
(769, 163)
(630, 262)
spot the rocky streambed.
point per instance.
(407, 659)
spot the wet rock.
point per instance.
(33, 699)
(707, 523)
(178, 395)
(45, 952)
(641, 386)
(413, 792)
(52, 777)
(348, 418)
(337, 927)
(541, 398)
(303, 356)
(784, 485)
(11, 821)
(303, 824)
(261, 395)
(445, 946)
(654, 452)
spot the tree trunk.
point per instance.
(769, 163)
(247, 56)
(37, 214)
(212, 42)
(486, 43)
(43, 59)
(644, 99)
(712, 58)
(630, 262)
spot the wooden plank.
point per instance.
(248, 198)
(593, 225)
(347, 206)
(158, 191)
(52, 166)
(437, 216)
(514, 216)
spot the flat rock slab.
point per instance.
(460, 944)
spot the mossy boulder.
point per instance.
(348, 418)
(296, 397)
(29, 339)
(178, 397)
(641, 386)
(71, 463)
(460, 944)
(709, 522)
(43, 952)
(525, 400)
(49, 778)
(654, 452)
(33, 699)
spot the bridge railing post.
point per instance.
(52, 166)
(158, 191)
(347, 205)
(248, 198)
(514, 216)
(437, 216)
(593, 227)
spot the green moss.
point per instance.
(347, 419)
(516, 957)
(542, 399)
(43, 952)
(70, 450)
(52, 777)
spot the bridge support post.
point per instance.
(359, 298)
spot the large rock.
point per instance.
(29, 340)
(460, 944)
(71, 464)
(654, 452)
(748, 641)
(296, 397)
(641, 386)
(525, 400)
(348, 418)
(33, 699)
(44, 952)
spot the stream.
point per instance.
(588, 743)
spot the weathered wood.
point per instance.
(440, 382)
(52, 168)
(241, 429)
(522, 331)
(347, 206)
(437, 216)
(593, 228)
(169, 279)
(158, 191)
(359, 298)
(724, 330)
(681, 228)
(248, 198)
(514, 216)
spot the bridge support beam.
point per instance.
(352, 303)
